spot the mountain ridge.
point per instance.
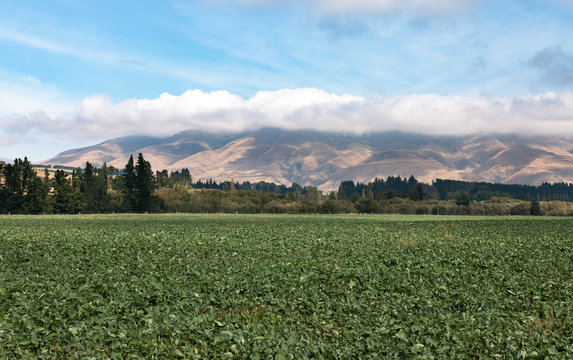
(323, 159)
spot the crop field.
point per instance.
(284, 287)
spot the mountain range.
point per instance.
(324, 159)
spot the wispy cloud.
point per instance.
(23, 94)
(6, 141)
(202, 74)
(40, 43)
(557, 66)
(343, 26)
(220, 111)
(417, 7)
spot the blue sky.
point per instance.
(73, 73)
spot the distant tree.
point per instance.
(355, 197)
(47, 180)
(421, 194)
(520, 209)
(370, 194)
(296, 190)
(534, 208)
(62, 192)
(21, 191)
(76, 178)
(129, 186)
(144, 184)
(36, 196)
(182, 177)
(88, 188)
(462, 199)
(162, 178)
(334, 206)
(414, 194)
(225, 186)
(311, 193)
(387, 195)
(412, 181)
(348, 188)
(103, 184)
(369, 205)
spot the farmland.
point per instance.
(262, 286)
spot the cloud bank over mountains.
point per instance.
(97, 117)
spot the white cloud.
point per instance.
(6, 141)
(418, 7)
(21, 94)
(40, 43)
(98, 117)
(210, 74)
(556, 65)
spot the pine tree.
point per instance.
(129, 185)
(47, 180)
(144, 184)
(534, 208)
(23, 191)
(88, 188)
(414, 194)
(62, 192)
(421, 194)
(103, 201)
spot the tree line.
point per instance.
(136, 188)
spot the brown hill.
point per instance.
(323, 159)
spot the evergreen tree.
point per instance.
(102, 184)
(534, 208)
(129, 185)
(182, 177)
(412, 181)
(420, 192)
(62, 193)
(36, 196)
(162, 178)
(462, 199)
(88, 188)
(47, 179)
(21, 190)
(144, 184)
(414, 194)
(346, 189)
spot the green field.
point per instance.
(235, 286)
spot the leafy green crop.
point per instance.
(259, 287)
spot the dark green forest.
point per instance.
(136, 188)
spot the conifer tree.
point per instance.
(129, 185)
(534, 208)
(144, 184)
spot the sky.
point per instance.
(75, 73)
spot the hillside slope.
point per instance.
(323, 159)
